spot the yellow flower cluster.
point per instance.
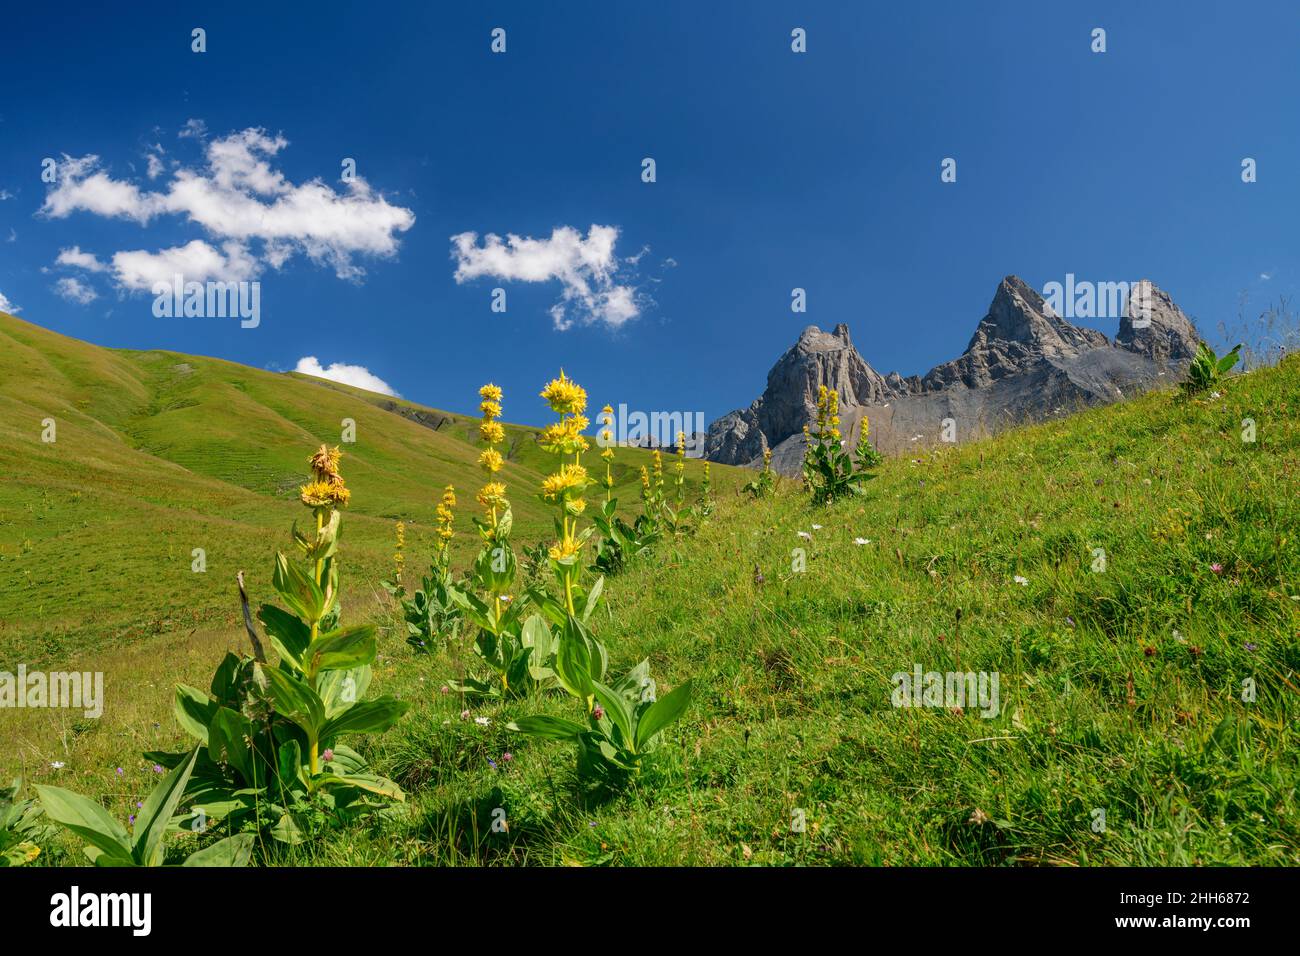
(570, 480)
(492, 495)
(565, 396)
(326, 489)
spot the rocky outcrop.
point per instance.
(1023, 364)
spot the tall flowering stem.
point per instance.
(565, 488)
(325, 494)
(492, 496)
(607, 455)
(443, 518)
(679, 467)
(399, 558)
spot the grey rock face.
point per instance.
(1023, 364)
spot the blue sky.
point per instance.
(774, 170)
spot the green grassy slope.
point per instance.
(1120, 689)
(158, 453)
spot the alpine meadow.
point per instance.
(840, 456)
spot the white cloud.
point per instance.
(156, 166)
(196, 261)
(13, 235)
(7, 306)
(77, 259)
(83, 186)
(5, 194)
(1265, 276)
(74, 290)
(587, 270)
(193, 129)
(237, 196)
(356, 375)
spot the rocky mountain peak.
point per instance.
(1024, 363)
(1170, 337)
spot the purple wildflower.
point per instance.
(598, 712)
(328, 754)
(507, 756)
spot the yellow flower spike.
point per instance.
(490, 460)
(491, 410)
(490, 392)
(493, 433)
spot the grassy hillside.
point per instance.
(158, 453)
(1121, 685)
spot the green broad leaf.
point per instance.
(369, 782)
(544, 725)
(477, 611)
(291, 771)
(366, 717)
(342, 650)
(618, 711)
(232, 851)
(156, 815)
(1229, 360)
(287, 830)
(289, 635)
(300, 592)
(228, 737)
(536, 635)
(297, 702)
(194, 710)
(87, 820)
(225, 681)
(346, 760)
(662, 713)
(634, 683)
(592, 599)
(339, 690)
(573, 662)
(98, 857)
